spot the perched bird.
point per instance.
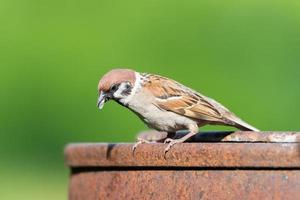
(164, 104)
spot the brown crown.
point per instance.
(116, 76)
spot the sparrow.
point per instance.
(164, 104)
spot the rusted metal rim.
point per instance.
(247, 151)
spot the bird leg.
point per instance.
(192, 131)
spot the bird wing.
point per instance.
(173, 96)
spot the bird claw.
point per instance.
(170, 142)
(139, 141)
(135, 146)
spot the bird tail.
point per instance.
(240, 124)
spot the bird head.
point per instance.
(117, 84)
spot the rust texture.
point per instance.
(186, 155)
(214, 165)
(210, 184)
(244, 153)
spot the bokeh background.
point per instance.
(244, 54)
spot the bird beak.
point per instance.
(101, 100)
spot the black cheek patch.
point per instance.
(126, 91)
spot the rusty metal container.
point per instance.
(218, 165)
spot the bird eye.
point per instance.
(128, 86)
(114, 88)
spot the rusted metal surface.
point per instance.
(225, 165)
(186, 155)
(210, 184)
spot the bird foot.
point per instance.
(170, 143)
(139, 141)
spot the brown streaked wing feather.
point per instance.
(172, 96)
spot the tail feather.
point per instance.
(240, 124)
(230, 118)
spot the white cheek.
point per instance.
(135, 89)
(118, 93)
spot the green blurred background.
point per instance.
(244, 54)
